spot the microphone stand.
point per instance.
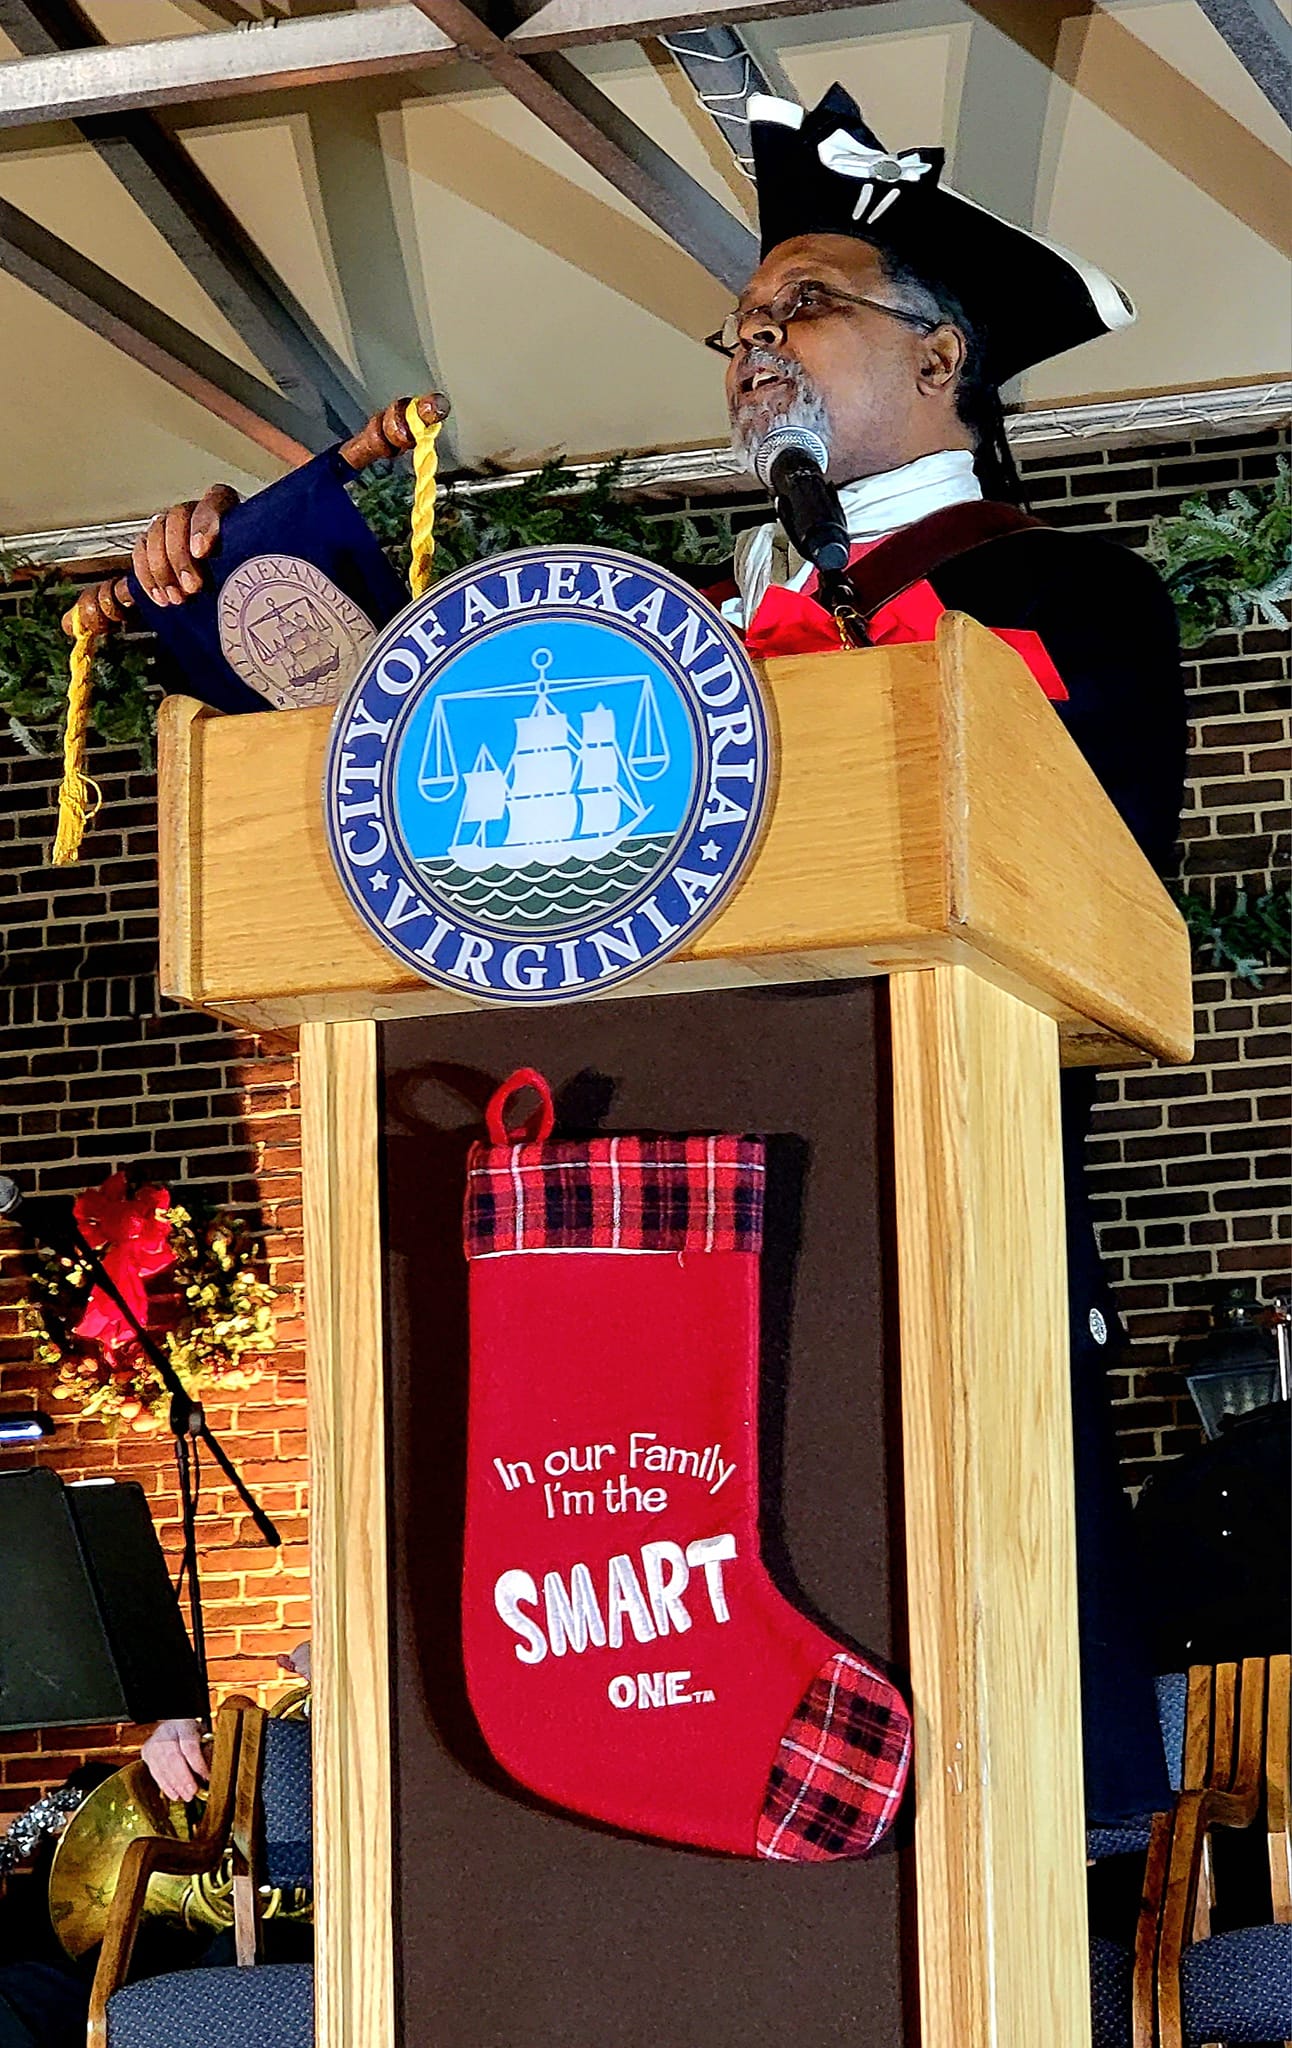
(189, 1427)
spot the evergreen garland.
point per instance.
(553, 506)
(1251, 938)
(1227, 565)
(34, 672)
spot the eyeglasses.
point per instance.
(804, 301)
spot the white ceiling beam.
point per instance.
(560, 24)
(280, 55)
(271, 56)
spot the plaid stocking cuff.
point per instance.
(616, 1194)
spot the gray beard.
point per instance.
(752, 422)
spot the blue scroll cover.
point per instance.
(293, 594)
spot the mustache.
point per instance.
(786, 366)
(749, 411)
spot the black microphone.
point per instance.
(791, 462)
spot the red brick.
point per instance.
(1254, 1258)
(1252, 1229)
(1209, 1230)
(1268, 1045)
(258, 1614)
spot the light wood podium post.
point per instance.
(932, 821)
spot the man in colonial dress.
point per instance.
(885, 315)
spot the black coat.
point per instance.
(1109, 627)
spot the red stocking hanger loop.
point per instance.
(496, 1114)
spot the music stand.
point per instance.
(90, 1625)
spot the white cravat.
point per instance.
(874, 507)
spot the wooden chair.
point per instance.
(1121, 1979)
(240, 2007)
(1278, 1797)
(1235, 1986)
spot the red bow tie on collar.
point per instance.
(792, 622)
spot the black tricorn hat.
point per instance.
(826, 173)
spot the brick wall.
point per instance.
(1190, 1166)
(96, 1073)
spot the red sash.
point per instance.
(895, 598)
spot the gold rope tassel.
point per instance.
(78, 797)
(425, 464)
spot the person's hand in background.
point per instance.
(173, 1755)
(296, 1662)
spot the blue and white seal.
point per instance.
(548, 774)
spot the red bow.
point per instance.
(792, 622)
(135, 1241)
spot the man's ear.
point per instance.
(941, 358)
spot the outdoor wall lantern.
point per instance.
(1242, 1363)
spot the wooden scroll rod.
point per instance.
(105, 604)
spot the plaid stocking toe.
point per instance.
(840, 1769)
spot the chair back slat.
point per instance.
(1249, 1759)
(1278, 1771)
(1197, 1728)
(1223, 1722)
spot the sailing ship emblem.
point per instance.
(289, 632)
(550, 771)
(566, 789)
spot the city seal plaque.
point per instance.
(549, 772)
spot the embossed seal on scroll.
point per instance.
(289, 632)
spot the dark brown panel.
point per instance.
(518, 1928)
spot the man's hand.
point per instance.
(164, 559)
(173, 1754)
(296, 1662)
(167, 553)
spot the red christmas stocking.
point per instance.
(627, 1654)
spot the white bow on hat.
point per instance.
(852, 159)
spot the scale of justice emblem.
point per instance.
(550, 771)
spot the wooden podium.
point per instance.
(933, 823)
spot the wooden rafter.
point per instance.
(78, 285)
(567, 101)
